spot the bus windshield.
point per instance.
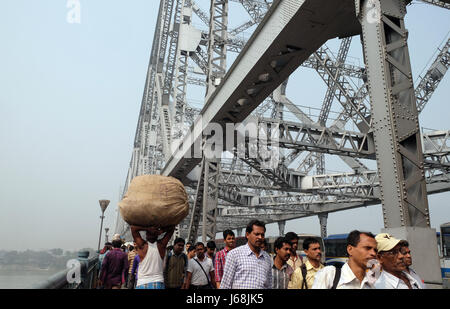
(336, 248)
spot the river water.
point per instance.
(23, 279)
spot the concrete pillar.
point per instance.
(239, 232)
(281, 226)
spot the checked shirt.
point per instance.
(243, 270)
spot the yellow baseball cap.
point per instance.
(386, 242)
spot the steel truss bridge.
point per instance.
(379, 99)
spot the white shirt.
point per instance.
(151, 267)
(198, 276)
(417, 278)
(389, 281)
(325, 277)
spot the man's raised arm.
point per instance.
(162, 244)
(137, 236)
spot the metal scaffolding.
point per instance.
(378, 99)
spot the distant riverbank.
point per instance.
(15, 267)
(23, 278)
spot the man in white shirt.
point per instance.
(408, 262)
(200, 271)
(393, 275)
(361, 249)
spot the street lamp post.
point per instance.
(103, 205)
(106, 234)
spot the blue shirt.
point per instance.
(243, 270)
(135, 268)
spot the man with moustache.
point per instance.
(309, 269)
(281, 271)
(391, 258)
(219, 265)
(408, 262)
(361, 250)
(247, 266)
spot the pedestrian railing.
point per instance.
(83, 275)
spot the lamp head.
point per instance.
(103, 204)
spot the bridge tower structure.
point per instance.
(279, 174)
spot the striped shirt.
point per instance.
(244, 270)
(219, 264)
(281, 277)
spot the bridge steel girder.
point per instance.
(433, 77)
(300, 206)
(443, 4)
(232, 193)
(286, 38)
(294, 206)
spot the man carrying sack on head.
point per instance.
(151, 253)
(154, 204)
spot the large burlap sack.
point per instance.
(154, 200)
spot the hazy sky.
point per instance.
(69, 102)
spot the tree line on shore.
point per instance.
(53, 259)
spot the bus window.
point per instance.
(335, 248)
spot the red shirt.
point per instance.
(220, 263)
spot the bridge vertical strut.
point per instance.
(323, 218)
(396, 130)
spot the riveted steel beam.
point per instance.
(394, 112)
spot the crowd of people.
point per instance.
(374, 262)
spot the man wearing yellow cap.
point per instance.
(393, 275)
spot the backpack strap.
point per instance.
(304, 272)
(337, 276)
(207, 278)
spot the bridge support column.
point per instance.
(323, 218)
(205, 204)
(281, 226)
(239, 232)
(395, 126)
(217, 47)
(210, 199)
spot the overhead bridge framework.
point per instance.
(379, 100)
